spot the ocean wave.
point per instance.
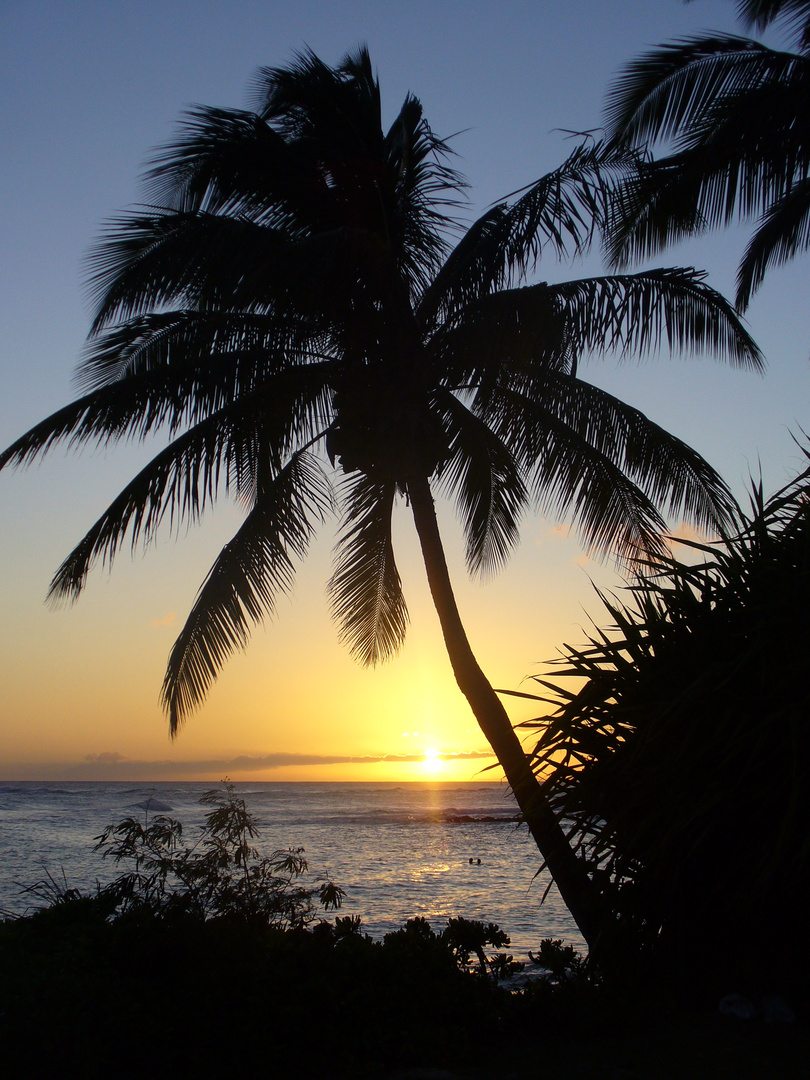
(481, 819)
(407, 817)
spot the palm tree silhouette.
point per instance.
(291, 310)
(735, 113)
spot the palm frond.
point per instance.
(605, 467)
(670, 473)
(637, 313)
(666, 91)
(228, 451)
(482, 475)
(753, 147)
(397, 187)
(783, 233)
(510, 332)
(179, 481)
(652, 212)
(365, 589)
(737, 117)
(171, 396)
(105, 415)
(793, 14)
(738, 166)
(576, 481)
(230, 162)
(226, 352)
(192, 260)
(242, 586)
(426, 193)
(177, 368)
(561, 211)
(336, 110)
(542, 328)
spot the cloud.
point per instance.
(167, 620)
(686, 532)
(554, 533)
(96, 766)
(457, 755)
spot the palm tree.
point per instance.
(735, 114)
(291, 310)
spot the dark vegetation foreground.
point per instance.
(206, 958)
(681, 762)
(180, 996)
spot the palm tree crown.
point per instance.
(299, 308)
(736, 116)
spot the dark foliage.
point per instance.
(683, 760)
(222, 874)
(191, 996)
(732, 115)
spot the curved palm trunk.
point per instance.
(567, 870)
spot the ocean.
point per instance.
(397, 850)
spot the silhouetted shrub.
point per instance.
(683, 760)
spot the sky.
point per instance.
(89, 90)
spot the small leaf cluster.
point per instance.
(222, 874)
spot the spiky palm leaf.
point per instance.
(486, 479)
(681, 761)
(783, 233)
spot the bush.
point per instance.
(683, 760)
(223, 874)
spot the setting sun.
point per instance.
(433, 762)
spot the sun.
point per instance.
(432, 761)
